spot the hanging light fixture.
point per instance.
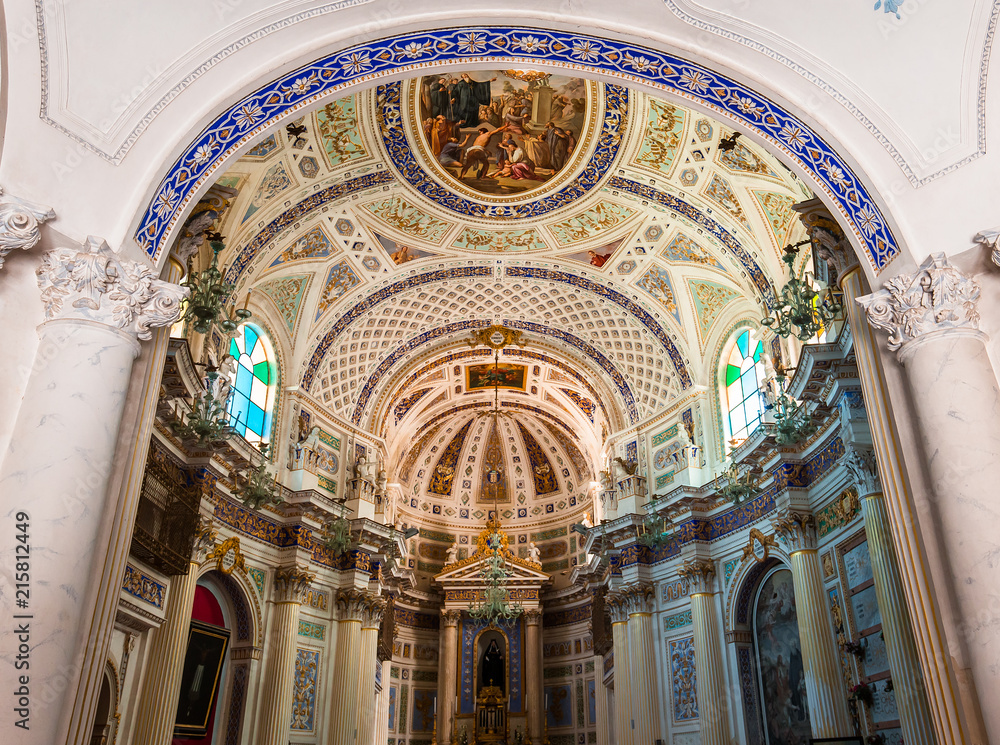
(656, 532)
(207, 421)
(260, 486)
(494, 605)
(802, 304)
(738, 488)
(793, 421)
(337, 538)
(205, 306)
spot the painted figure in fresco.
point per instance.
(558, 140)
(467, 95)
(477, 156)
(401, 255)
(451, 153)
(492, 668)
(597, 259)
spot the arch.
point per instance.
(240, 592)
(717, 398)
(361, 63)
(254, 379)
(106, 719)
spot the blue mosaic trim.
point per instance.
(796, 475)
(142, 586)
(618, 299)
(349, 317)
(390, 121)
(260, 110)
(301, 210)
(404, 349)
(698, 217)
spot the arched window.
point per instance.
(253, 383)
(744, 374)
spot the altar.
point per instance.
(490, 677)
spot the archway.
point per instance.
(106, 719)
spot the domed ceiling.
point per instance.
(378, 231)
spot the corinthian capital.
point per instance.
(616, 602)
(20, 223)
(860, 461)
(371, 612)
(291, 583)
(796, 529)
(93, 284)
(700, 575)
(936, 297)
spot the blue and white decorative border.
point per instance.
(504, 45)
(609, 140)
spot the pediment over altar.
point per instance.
(461, 580)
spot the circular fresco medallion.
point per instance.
(514, 144)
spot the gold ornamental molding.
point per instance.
(759, 546)
(228, 556)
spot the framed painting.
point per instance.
(206, 653)
(480, 377)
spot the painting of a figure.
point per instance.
(400, 253)
(504, 376)
(779, 654)
(502, 132)
(596, 257)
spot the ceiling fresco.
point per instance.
(624, 263)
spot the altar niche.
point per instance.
(492, 661)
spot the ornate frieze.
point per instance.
(20, 223)
(700, 575)
(93, 284)
(796, 529)
(291, 583)
(935, 298)
(860, 461)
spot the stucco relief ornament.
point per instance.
(938, 296)
(20, 223)
(863, 467)
(94, 284)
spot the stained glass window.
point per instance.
(744, 371)
(253, 384)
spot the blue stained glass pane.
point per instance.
(244, 379)
(743, 342)
(250, 339)
(255, 423)
(234, 348)
(238, 411)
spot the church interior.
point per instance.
(436, 382)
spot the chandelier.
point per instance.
(738, 488)
(205, 306)
(337, 538)
(656, 532)
(793, 421)
(207, 422)
(494, 605)
(802, 304)
(260, 486)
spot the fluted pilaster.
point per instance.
(601, 694)
(623, 685)
(168, 648)
(371, 618)
(345, 701)
(828, 711)
(290, 585)
(533, 674)
(639, 600)
(713, 706)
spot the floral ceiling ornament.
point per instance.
(20, 223)
(935, 298)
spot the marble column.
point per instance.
(371, 619)
(933, 324)
(165, 664)
(290, 585)
(936, 662)
(346, 668)
(640, 599)
(448, 673)
(601, 694)
(534, 696)
(829, 714)
(713, 704)
(618, 608)
(56, 474)
(908, 685)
